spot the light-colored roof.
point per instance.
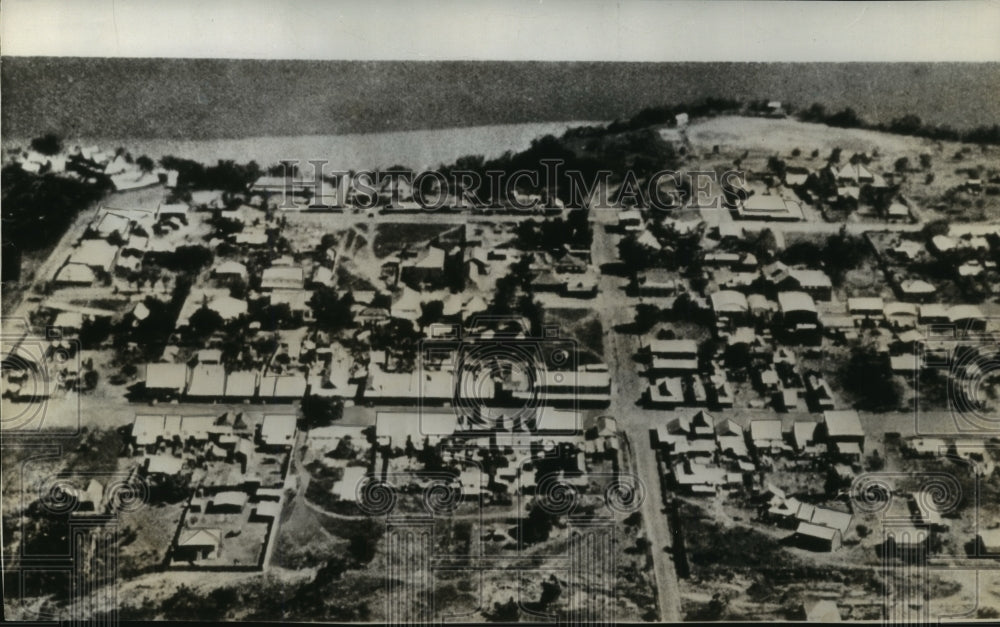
(840, 521)
(76, 273)
(816, 531)
(549, 419)
(173, 209)
(230, 267)
(796, 301)
(164, 464)
(109, 223)
(208, 380)
(900, 309)
(278, 430)
(865, 303)
(68, 320)
(95, 253)
(347, 488)
(933, 310)
(147, 428)
(166, 376)
(765, 430)
(282, 386)
(821, 611)
(432, 258)
(729, 301)
(218, 300)
(843, 423)
(803, 432)
(282, 277)
(241, 383)
(673, 347)
(965, 312)
(990, 539)
(200, 537)
(233, 498)
(808, 278)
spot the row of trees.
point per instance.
(908, 124)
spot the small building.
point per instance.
(229, 502)
(866, 307)
(282, 277)
(282, 388)
(798, 311)
(230, 270)
(817, 537)
(656, 282)
(196, 545)
(630, 220)
(767, 437)
(241, 384)
(278, 431)
(97, 254)
(843, 429)
(673, 356)
(989, 541)
(666, 392)
(161, 466)
(768, 206)
(428, 269)
(347, 488)
(933, 313)
(75, 275)
(166, 379)
(208, 382)
(729, 305)
(816, 283)
(820, 611)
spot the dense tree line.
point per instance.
(37, 210)
(226, 175)
(908, 124)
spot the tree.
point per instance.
(842, 252)
(505, 612)
(49, 144)
(907, 125)
(634, 255)
(204, 322)
(363, 547)
(331, 571)
(538, 525)
(431, 312)
(765, 246)
(188, 259)
(868, 377)
(551, 591)
(926, 161)
(332, 312)
(902, 165)
(90, 379)
(646, 317)
(321, 411)
(145, 164)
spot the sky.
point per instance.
(628, 30)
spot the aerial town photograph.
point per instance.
(432, 341)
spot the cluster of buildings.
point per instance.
(233, 468)
(115, 244)
(494, 461)
(702, 455)
(84, 163)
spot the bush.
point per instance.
(48, 144)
